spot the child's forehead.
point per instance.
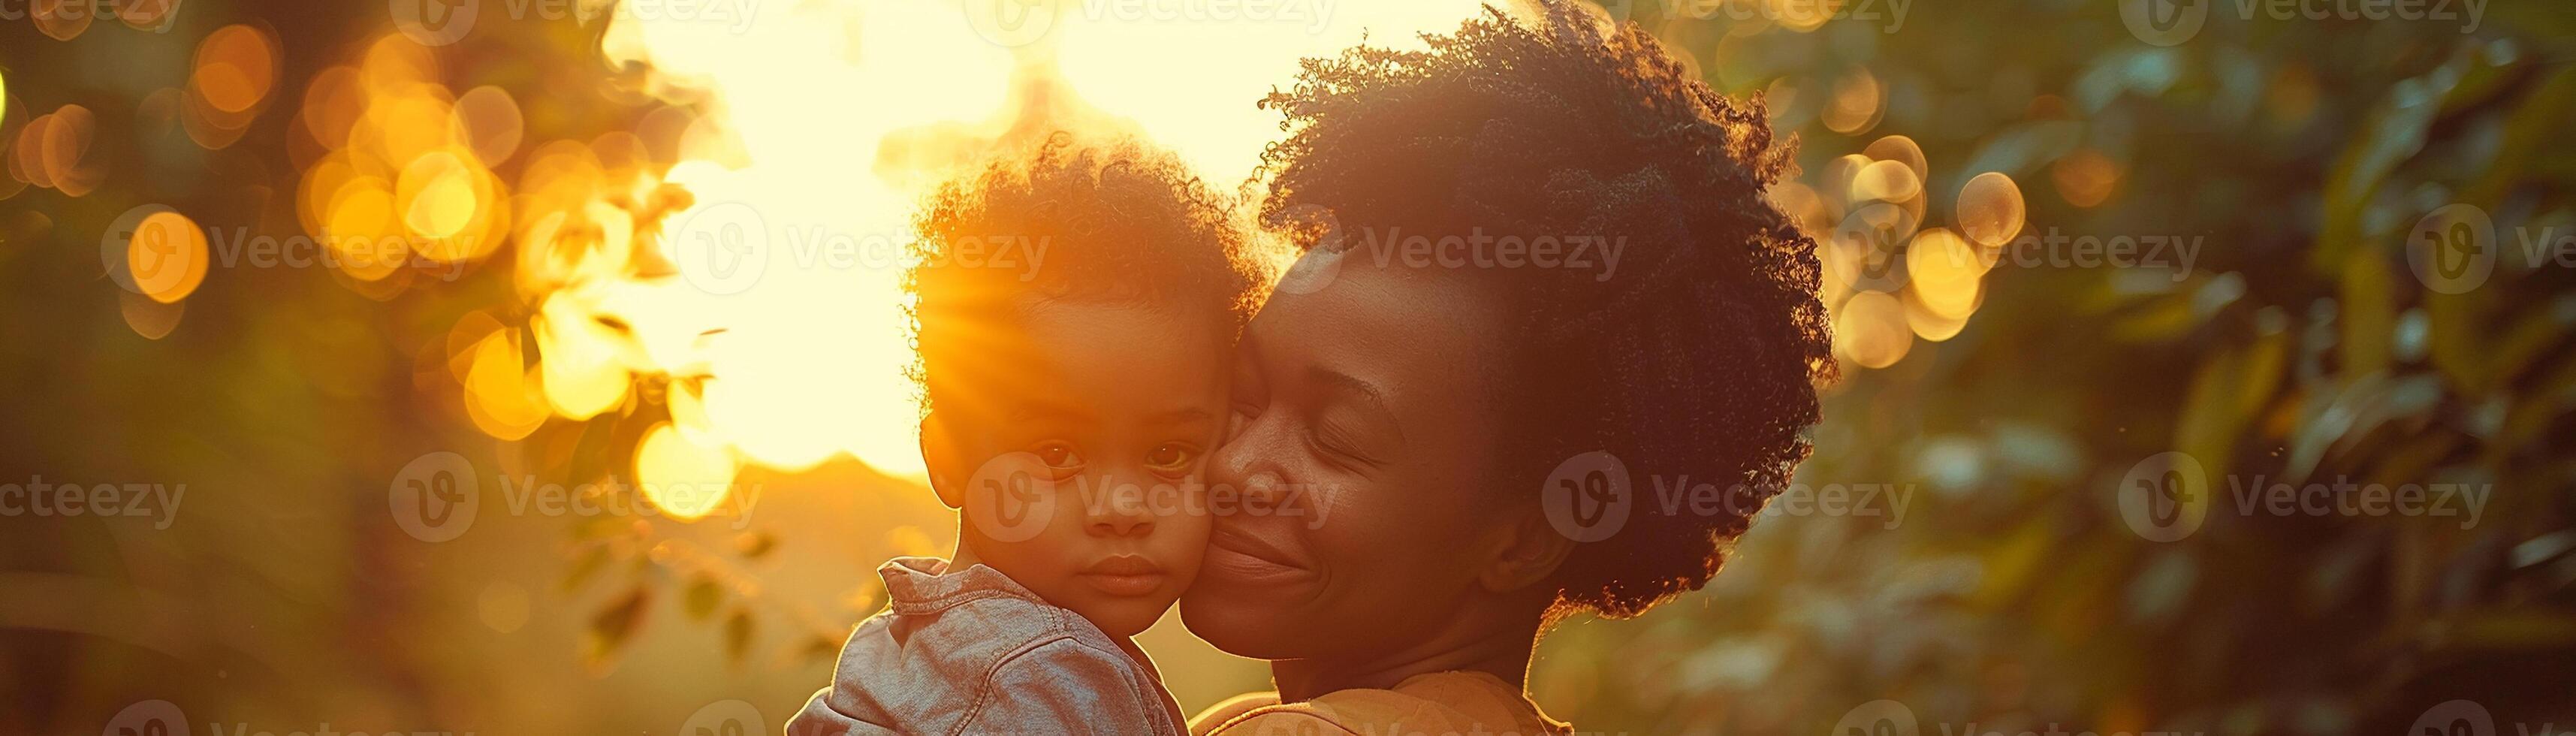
(1098, 361)
(1040, 316)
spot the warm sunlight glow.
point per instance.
(804, 170)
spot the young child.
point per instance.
(1076, 308)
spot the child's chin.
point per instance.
(1124, 617)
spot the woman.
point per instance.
(1549, 284)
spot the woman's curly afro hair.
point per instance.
(1702, 354)
(1119, 222)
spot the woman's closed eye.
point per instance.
(1339, 443)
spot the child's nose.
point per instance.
(1125, 512)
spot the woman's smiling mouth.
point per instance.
(1249, 557)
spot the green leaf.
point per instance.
(820, 649)
(2396, 131)
(593, 559)
(2230, 388)
(703, 596)
(614, 626)
(2459, 338)
(755, 545)
(2369, 318)
(2535, 129)
(737, 635)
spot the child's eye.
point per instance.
(1172, 457)
(1058, 455)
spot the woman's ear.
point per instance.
(1529, 549)
(939, 457)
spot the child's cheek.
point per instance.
(1195, 519)
(1012, 500)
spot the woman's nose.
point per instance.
(1248, 464)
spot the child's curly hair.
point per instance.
(1121, 223)
(1701, 355)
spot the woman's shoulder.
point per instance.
(1439, 702)
(1261, 714)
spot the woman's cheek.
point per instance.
(1340, 525)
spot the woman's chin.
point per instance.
(1239, 627)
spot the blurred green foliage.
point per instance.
(2300, 349)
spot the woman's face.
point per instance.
(1364, 424)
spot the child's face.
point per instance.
(1078, 451)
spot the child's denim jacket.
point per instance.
(973, 652)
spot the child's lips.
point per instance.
(1125, 575)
